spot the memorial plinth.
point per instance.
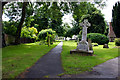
(87, 53)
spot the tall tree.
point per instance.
(56, 18)
(17, 38)
(3, 36)
(116, 19)
(97, 21)
(41, 15)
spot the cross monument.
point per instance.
(83, 44)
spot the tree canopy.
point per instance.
(45, 15)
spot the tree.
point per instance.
(56, 18)
(41, 15)
(116, 19)
(98, 24)
(16, 12)
(18, 32)
(3, 37)
(84, 10)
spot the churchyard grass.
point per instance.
(17, 58)
(75, 63)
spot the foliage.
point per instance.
(10, 27)
(75, 63)
(117, 41)
(79, 36)
(43, 33)
(40, 16)
(86, 10)
(55, 16)
(69, 33)
(101, 39)
(46, 15)
(66, 28)
(78, 9)
(50, 38)
(16, 59)
(98, 24)
(29, 32)
(116, 19)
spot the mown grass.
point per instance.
(75, 63)
(17, 58)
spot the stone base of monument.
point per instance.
(84, 53)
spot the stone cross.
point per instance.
(84, 24)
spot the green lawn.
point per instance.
(75, 63)
(16, 59)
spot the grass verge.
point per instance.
(17, 58)
(75, 63)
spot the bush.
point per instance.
(43, 33)
(117, 41)
(101, 39)
(10, 28)
(79, 36)
(29, 32)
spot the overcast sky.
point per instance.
(107, 11)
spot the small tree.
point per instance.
(43, 33)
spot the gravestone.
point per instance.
(83, 46)
(90, 44)
(105, 46)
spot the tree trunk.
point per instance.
(17, 38)
(3, 4)
(3, 36)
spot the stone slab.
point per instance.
(88, 53)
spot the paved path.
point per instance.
(109, 69)
(48, 65)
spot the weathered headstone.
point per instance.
(83, 46)
(105, 46)
(90, 44)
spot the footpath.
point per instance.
(48, 65)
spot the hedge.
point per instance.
(101, 39)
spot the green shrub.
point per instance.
(96, 38)
(79, 36)
(117, 41)
(10, 28)
(43, 33)
(101, 39)
(29, 32)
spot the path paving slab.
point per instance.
(48, 65)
